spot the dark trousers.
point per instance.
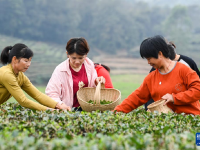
(148, 103)
(77, 109)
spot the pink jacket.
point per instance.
(60, 86)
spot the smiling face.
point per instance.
(76, 60)
(155, 62)
(21, 65)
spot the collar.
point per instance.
(65, 66)
(10, 66)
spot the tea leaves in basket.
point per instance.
(102, 102)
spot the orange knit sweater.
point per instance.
(182, 82)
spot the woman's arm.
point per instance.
(11, 84)
(192, 94)
(135, 99)
(54, 87)
(37, 95)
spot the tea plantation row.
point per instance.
(22, 128)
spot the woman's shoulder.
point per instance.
(5, 70)
(62, 66)
(153, 72)
(180, 67)
(151, 75)
(6, 75)
(186, 59)
(101, 70)
(97, 67)
(88, 62)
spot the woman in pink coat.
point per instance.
(67, 76)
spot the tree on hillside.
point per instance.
(109, 26)
(177, 28)
(194, 12)
(11, 14)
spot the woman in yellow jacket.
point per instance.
(17, 60)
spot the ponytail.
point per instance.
(5, 55)
(172, 44)
(172, 53)
(19, 50)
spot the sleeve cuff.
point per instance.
(61, 102)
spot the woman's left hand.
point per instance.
(168, 98)
(100, 79)
(63, 106)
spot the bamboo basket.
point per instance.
(97, 94)
(158, 106)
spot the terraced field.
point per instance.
(47, 56)
(125, 65)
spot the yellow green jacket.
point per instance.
(12, 85)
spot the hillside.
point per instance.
(47, 56)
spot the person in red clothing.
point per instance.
(172, 81)
(103, 70)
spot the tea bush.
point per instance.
(22, 128)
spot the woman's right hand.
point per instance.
(100, 79)
(63, 106)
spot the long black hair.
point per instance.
(19, 50)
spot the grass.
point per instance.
(124, 83)
(41, 88)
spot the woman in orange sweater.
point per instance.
(172, 81)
